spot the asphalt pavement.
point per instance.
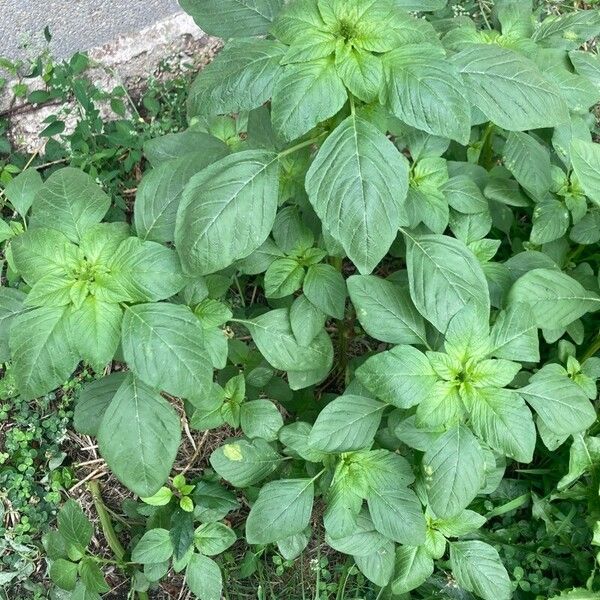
(74, 24)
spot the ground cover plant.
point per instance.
(372, 260)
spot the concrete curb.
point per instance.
(129, 60)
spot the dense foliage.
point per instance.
(444, 178)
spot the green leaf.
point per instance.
(273, 335)
(386, 311)
(568, 30)
(413, 567)
(503, 421)
(241, 77)
(426, 91)
(159, 194)
(325, 287)
(402, 376)
(155, 546)
(587, 65)
(361, 71)
(295, 437)
(92, 577)
(74, 526)
(212, 502)
(244, 463)
(283, 508)
(93, 400)
(560, 403)
(420, 5)
(82, 593)
(180, 145)
(555, 298)
(283, 277)
(260, 418)
(163, 346)
(143, 272)
(478, 569)
(397, 514)
(357, 185)
(529, 162)
(306, 320)
(51, 290)
(42, 353)
(22, 189)
(514, 335)
(454, 471)
(54, 544)
(161, 498)
(293, 546)
(11, 306)
(233, 18)
(584, 455)
(551, 221)
(585, 157)
(139, 437)
(63, 573)
(363, 540)
(98, 327)
(444, 276)
(306, 94)
(348, 423)
(509, 89)
(42, 252)
(213, 538)
(71, 202)
(462, 524)
(227, 211)
(379, 566)
(463, 195)
(204, 577)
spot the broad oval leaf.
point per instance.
(385, 310)
(585, 157)
(509, 88)
(559, 402)
(555, 298)
(305, 95)
(69, 201)
(273, 335)
(233, 18)
(503, 421)
(163, 346)
(413, 567)
(401, 376)
(139, 437)
(93, 400)
(42, 353)
(426, 91)
(241, 77)
(348, 423)
(159, 195)
(283, 508)
(454, 471)
(204, 578)
(479, 569)
(243, 462)
(444, 277)
(357, 184)
(227, 211)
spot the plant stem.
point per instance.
(301, 145)
(486, 157)
(107, 526)
(592, 349)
